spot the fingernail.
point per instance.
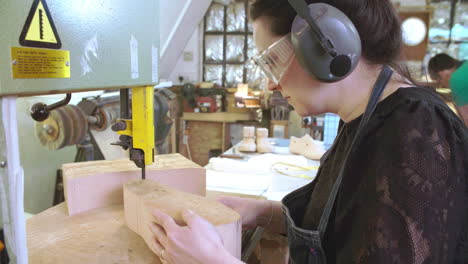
(189, 212)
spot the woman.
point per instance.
(403, 196)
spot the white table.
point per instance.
(254, 175)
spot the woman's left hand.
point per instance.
(198, 242)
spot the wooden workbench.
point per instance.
(97, 236)
(206, 132)
(95, 230)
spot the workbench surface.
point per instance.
(97, 236)
(271, 184)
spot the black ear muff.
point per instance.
(326, 43)
(340, 65)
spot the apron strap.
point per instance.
(379, 86)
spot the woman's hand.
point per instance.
(198, 242)
(253, 212)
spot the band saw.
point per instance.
(64, 47)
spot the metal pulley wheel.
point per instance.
(50, 131)
(65, 126)
(104, 118)
(100, 117)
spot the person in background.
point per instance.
(404, 192)
(453, 74)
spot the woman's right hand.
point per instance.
(253, 212)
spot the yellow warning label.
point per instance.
(39, 29)
(30, 63)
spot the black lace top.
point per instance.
(404, 196)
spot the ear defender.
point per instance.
(326, 43)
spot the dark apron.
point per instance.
(305, 246)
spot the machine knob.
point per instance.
(39, 112)
(119, 126)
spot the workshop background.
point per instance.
(212, 42)
(208, 91)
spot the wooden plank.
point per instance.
(98, 236)
(97, 184)
(217, 117)
(143, 196)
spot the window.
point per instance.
(228, 46)
(440, 29)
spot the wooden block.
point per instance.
(97, 184)
(143, 196)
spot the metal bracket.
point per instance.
(41, 111)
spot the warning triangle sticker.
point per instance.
(39, 30)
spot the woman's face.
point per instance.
(296, 85)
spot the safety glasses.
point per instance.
(275, 60)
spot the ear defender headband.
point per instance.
(326, 43)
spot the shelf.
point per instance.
(225, 117)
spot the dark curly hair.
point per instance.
(441, 62)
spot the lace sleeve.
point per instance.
(413, 196)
